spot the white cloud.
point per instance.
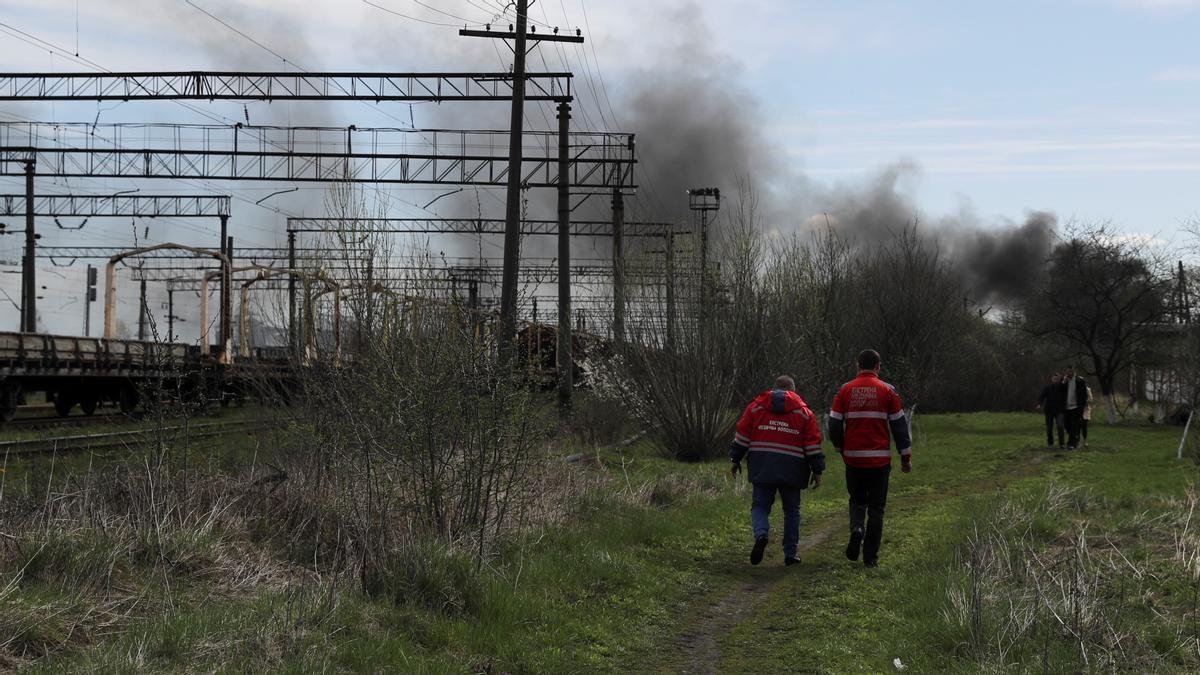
(1158, 5)
(1178, 74)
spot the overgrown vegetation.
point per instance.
(1053, 581)
(237, 563)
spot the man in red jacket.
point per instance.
(781, 438)
(866, 417)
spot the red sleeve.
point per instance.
(894, 404)
(743, 432)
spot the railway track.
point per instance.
(54, 421)
(114, 440)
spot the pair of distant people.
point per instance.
(1066, 404)
(780, 438)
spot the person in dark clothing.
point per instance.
(1051, 404)
(1075, 399)
(865, 419)
(781, 439)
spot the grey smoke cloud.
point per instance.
(1003, 264)
(698, 127)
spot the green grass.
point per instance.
(629, 582)
(29, 475)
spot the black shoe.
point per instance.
(856, 537)
(792, 560)
(756, 553)
(870, 563)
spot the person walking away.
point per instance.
(1075, 399)
(1086, 417)
(780, 438)
(867, 416)
(1050, 403)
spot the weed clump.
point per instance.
(1046, 582)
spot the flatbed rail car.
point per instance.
(538, 354)
(85, 371)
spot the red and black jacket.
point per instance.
(867, 416)
(781, 438)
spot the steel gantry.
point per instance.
(97, 206)
(137, 206)
(280, 86)
(599, 160)
(565, 160)
(579, 228)
(250, 252)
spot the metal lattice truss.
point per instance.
(599, 161)
(275, 86)
(415, 273)
(602, 272)
(106, 252)
(592, 228)
(88, 206)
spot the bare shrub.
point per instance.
(422, 437)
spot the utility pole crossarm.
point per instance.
(279, 86)
(512, 35)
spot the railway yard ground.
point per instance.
(999, 554)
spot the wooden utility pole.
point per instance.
(520, 35)
(618, 252)
(566, 361)
(28, 271)
(293, 344)
(227, 303)
(225, 281)
(669, 254)
(512, 204)
(170, 314)
(142, 311)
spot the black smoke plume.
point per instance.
(698, 127)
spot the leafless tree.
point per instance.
(1104, 295)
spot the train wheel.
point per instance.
(88, 404)
(10, 398)
(127, 399)
(63, 402)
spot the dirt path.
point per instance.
(696, 648)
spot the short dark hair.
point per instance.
(785, 382)
(868, 359)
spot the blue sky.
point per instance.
(1087, 108)
(1083, 108)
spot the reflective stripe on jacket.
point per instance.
(867, 416)
(781, 438)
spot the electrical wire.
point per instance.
(210, 15)
(411, 18)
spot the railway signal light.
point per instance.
(90, 297)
